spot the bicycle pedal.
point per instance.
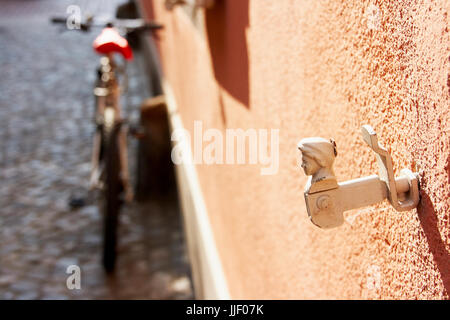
(77, 202)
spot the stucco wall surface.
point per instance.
(321, 68)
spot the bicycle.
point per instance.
(109, 171)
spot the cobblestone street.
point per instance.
(46, 129)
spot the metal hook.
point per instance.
(326, 199)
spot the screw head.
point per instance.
(323, 202)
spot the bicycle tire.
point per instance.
(111, 195)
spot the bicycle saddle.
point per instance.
(109, 41)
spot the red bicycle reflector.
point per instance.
(109, 41)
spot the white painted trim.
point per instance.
(208, 274)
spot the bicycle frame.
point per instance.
(109, 162)
(108, 112)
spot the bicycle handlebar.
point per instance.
(63, 20)
(129, 25)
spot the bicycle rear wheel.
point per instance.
(111, 202)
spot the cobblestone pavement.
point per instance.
(45, 140)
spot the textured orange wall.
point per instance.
(316, 68)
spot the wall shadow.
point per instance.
(429, 223)
(226, 24)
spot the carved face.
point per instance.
(309, 165)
